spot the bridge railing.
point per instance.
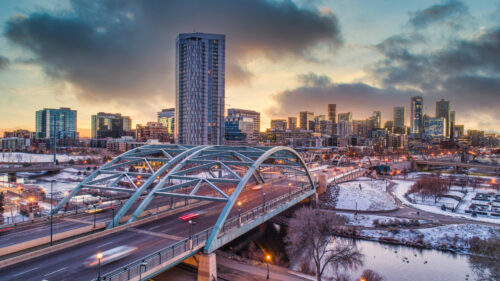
(158, 258)
(252, 214)
(184, 247)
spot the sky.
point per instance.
(282, 56)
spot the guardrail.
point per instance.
(187, 246)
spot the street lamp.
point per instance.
(113, 218)
(99, 257)
(268, 259)
(289, 190)
(239, 212)
(51, 192)
(95, 213)
(263, 201)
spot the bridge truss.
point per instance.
(194, 173)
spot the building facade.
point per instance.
(399, 118)
(292, 123)
(417, 117)
(167, 118)
(305, 118)
(278, 124)
(248, 115)
(152, 131)
(435, 128)
(200, 88)
(332, 113)
(59, 123)
(109, 125)
(443, 110)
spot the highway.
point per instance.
(68, 264)
(27, 232)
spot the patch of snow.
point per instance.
(364, 195)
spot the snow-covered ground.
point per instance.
(452, 237)
(364, 194)
(68, 175)
(402, 187)
(31, 157)
(368, 220)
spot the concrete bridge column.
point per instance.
(207, 267)
(12, 177)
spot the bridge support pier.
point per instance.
(207, 267)
(12, 177)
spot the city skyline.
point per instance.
(330, 65)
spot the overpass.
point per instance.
(16, 168)
(231, 189)
(416, 163)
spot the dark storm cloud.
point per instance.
(316, 91)
(450, 12)
(3, 62)
(124, 49)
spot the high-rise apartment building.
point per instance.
(399, 120)
(110, 125)
(249, 115)
(292, 123)
(417, 116)
(376, 119)
(306, 119)
(200, 86)
(443, 110)
(435, 127)
(332, 112)
(60, 123)
(167, 118)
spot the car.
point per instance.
(257, 187)
(189, 216)
(324, 170)
(109, 256)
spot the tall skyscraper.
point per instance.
(306, 118)
(376, 119)
(248, 115)
(200, 85)
(417, 116)
(60, 123)
(292, 123)
(109, 125)
(167, 118)
(399, 118)
(332, 112)
(443, 110)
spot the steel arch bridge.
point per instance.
(192, 173)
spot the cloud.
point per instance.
(118, 50)
(316, 91)
(450, 12)
(4, 62)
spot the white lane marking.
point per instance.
(105, 244)
(56, 271)
(21, 273)
(155, 227)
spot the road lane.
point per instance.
(71, 259)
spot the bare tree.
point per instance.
(310, 238)
(485, 258)
(370, 275)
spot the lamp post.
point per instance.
(191, 225)
(99, 257)
(113, 218)
(268, 259)
(95, 212)
(289, 190)
(263, 201)
(239, 212)
(51, 192)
